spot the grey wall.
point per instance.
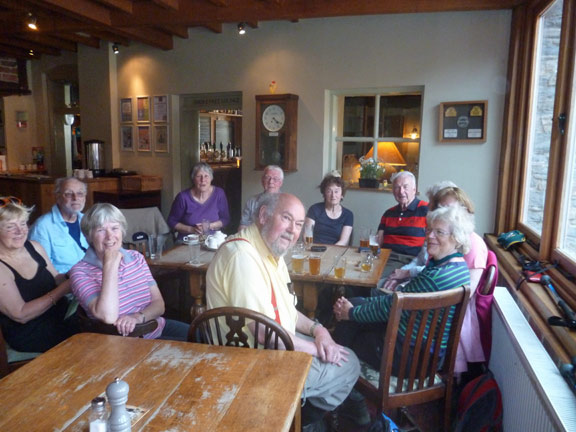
(455, 56)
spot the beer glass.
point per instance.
(314, 262)
(298, 258)
(340, 267)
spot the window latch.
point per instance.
(562, 123)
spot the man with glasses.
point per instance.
(249, 271)
(272, 180)
(59, 230)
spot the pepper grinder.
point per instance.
(119, 420)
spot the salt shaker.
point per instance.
(98, 420)
(119, 420)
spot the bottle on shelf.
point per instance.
(223, 156)
(229, 151)
(209, 153)
(203, 152)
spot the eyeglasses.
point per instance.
(4, 201)
(272, 179)
(69, 195)
(437, 232)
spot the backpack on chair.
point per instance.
(480, 406)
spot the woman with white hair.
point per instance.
(202, 202)
(363, 320)
(115, 285)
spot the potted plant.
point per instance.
(371, 173)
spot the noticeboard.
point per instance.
(463, 122)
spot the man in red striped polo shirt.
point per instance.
(403, 227)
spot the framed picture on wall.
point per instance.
(161, 139)
(144, 138)
(143, 107)
(463, 122)
(160, 109)
(126, 110)
(127, 138)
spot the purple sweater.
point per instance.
(188, 211)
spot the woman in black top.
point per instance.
(32, 293)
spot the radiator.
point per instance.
(535, 396)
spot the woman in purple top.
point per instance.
(201, 202)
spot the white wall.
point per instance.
(456, 56)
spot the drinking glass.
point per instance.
(340, 267)
(205, 227)
(374, 245)
(298, 258)
(194, 249)
(314, 262)
(367, 261)
(308, 236)
(365, 237)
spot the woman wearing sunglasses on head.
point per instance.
(32, 293)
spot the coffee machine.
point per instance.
(94, 151)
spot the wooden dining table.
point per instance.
(174, 386)
(305, 285)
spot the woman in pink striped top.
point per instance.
(115, 285)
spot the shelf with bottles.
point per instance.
(224, 112)
(218, 154)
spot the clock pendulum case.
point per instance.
(277, 131)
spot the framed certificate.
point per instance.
(160, 109)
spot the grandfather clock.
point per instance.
(276, 131)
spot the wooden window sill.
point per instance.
(535, 303)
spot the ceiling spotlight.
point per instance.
(31, 22)
(241, 28)
(115, 48)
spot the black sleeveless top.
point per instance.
(45, 331)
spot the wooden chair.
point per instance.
(89, 325)
(10, 359)
(139, 242)
(421, 375)
(208, 328)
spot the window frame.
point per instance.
(334, 131)
(513, 164)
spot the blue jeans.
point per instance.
(175, 330)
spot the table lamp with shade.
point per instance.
(390, 156)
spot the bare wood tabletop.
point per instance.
(305, 284)
(178, 386)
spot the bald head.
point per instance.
(280, 219)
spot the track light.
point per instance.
(31, 22)
(241, 28)
(115, 48)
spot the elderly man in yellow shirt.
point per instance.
(249, 271)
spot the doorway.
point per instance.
(214, 119)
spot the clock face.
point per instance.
(273, 118)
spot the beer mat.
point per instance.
(364, 249)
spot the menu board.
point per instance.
(463, 121)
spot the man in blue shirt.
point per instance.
(59, 230)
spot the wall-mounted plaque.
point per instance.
(463, 122)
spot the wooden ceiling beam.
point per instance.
(83, 10)
(29, 45)
(87, 40)
(167, 4)
(122, 5)
(178, 30)
(43, 39)
(214, 27)
(193, 13)
(11, 51)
